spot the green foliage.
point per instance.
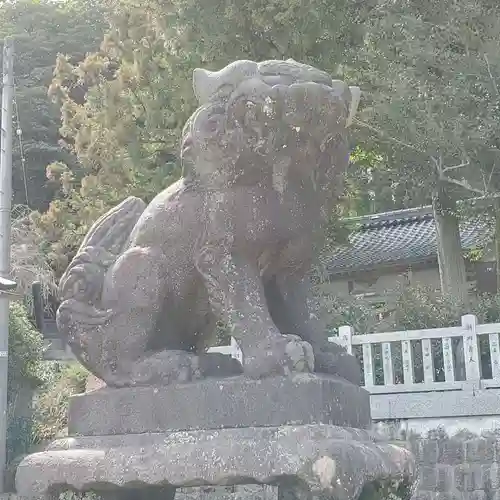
(415, 308)
(222, 334)
(25, 350)
(422, 308)
(354, 312)
(122, 111)
(371, 185)
(51, 406)
(387, 489)
(324, 34)
(26, 372)
(78, 495)
(42, 29)
(431, 92)
(487, 308)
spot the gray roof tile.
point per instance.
(399, 237)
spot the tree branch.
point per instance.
(383, 134)
(455, 167)
(438, 164)
(488, 67)
(465, 185)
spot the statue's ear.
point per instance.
(202, 84)
(355, 98)
(207, 84)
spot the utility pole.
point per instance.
(5, 208)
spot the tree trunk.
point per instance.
(450, 257)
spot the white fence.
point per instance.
(440, 359)
(417, 374)
(413, 361)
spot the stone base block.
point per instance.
(323, 460)
(221, 403)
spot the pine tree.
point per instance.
(122, 110)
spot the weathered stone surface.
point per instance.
(479, 449)
(240, 492)
(451, 452)
(328, 459)
(495, 476)
(426, 450)
(469, 477)
(232, 240)
(213, 404)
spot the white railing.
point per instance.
(455, 349)
(445, 358)
(231, 350)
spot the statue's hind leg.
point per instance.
(134, 290)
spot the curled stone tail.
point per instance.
(80, 316)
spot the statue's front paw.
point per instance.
(279, 355)
(162, 368)
(299, 353)
(334, 360)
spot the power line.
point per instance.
(19, 133)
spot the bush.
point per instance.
(415, 308)
(421, 308)
(26, 372)
(487, 308)
(26, 348)
(353, 312)
(50, 418)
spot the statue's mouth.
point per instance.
(301, 109)
(265, 117)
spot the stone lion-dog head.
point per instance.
(274, 122)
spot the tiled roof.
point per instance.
(399, 237)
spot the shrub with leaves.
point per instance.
(415, 308)
(79, 495)
(354, 312)
(51, 407)
(420, 308)
(487, 308)
(26, 372)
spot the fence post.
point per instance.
(471, 350)
(236, 351)
(428, 361)
(407, 354)
(345, 336)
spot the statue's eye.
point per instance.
(212, 125)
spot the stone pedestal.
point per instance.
(307, 435)
(221, 403)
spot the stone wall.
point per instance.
(460, 467)
(249, 492)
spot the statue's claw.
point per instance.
(279, 355)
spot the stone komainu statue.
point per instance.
(232, 240)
